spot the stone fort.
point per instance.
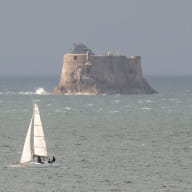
(83, 72)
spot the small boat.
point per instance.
(35, 150)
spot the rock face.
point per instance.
(86, 73)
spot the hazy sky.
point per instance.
(34, 34)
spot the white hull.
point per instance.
(34, 165)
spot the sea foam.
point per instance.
(41, 91)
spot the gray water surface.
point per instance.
(130, 143)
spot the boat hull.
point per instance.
(34, 165)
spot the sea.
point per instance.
(102, 143)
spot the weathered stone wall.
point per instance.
(71, 64)
(93, 74)
(116, 71)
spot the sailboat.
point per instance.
(35, 149)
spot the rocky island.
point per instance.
(83, 72)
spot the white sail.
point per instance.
(40, 148)
(27, 153)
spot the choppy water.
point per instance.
(127, 143)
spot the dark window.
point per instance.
(75, 57)
(88, 70)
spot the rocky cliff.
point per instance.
(86, 73)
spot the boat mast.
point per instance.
(33, 115)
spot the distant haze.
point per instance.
(35, 34)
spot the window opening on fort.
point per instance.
(75, 57)
(88, 70)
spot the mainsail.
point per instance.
(27, 153)
(40, 148)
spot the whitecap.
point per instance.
(172, 99)
(8, 93)
(68, 108)
(25, 93)
(114, 111)
(144, 101)
(41, 91)
(146, 108)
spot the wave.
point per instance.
(115, 111)
(90, 105)
(38, 91)
(41, 91)
(140, 101)
(68, 108)
(146, 108)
